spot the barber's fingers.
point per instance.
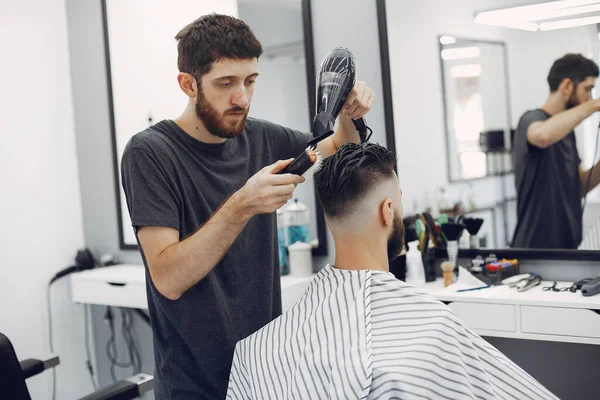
(278, 166)
(361, 105)
(364, 103)
(283, 179)
(279, 195)
(369, 103)
(353, 100)
(284, 190)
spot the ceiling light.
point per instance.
(529, 17)
(569, 23)
(466, 71)
(524, 26)
(565, 12)
(460, 53)
(447, 40)
(532, 11)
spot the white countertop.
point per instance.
(506, 295)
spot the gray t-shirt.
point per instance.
(171, 179)
(548, 190)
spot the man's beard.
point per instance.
(216, 123)
(573, 100)
(396, 240)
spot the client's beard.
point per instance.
(396, 240)
(215, 123)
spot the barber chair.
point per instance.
(14, 373)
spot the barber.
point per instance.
(202, 191)
(549, 179)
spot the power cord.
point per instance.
(587, 185)
(134, 358)
(49, 304)
(84, 260)
(88, 352)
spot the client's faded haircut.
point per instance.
(350, 174)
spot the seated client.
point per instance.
(358, 332)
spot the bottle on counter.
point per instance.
(281, 244)
(415, 272)
(297, 218)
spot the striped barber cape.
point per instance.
(366, 335)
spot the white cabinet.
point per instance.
(489, 317)
(501, 311)
(560, 321)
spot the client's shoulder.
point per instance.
(387, 291)
(386, 282)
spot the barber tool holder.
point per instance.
(493, 272)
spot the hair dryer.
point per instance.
(84, 260)
(337, 76)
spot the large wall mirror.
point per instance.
(454, 91)
(142, 69)
(476, 106)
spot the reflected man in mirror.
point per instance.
(549, 179)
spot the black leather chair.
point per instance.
(13, 374)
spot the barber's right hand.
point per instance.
(266, 191)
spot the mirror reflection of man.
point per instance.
(549, 179)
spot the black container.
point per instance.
(398, 267)
(429, 263)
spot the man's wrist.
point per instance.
(237, 210)
(347, 132)
(591, 107)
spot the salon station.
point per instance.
(501, 220)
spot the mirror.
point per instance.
(140, 51)
(454, 92)
(476, 107)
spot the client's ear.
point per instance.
(387, 212)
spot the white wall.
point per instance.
(417, 88)
(40, 210)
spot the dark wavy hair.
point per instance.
(350, 174)
(212, 37)
(572, 66)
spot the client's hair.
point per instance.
(349, 174)
(572, 66)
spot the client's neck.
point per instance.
(359, 252)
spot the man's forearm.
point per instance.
(560, 125)
(182, 265)
(594, 179)
(346, 133)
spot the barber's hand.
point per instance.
(359, 101)
(595, 103)
(266, 191)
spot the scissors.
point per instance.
(554, 288)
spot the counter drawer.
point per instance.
(560, 321)
(491, 317)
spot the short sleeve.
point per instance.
(526, 120)
(151, 198)
(287, 143)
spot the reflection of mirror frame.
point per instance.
(445, 104)
(530, 254)
(321, 250)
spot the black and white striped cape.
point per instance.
(366, 335)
